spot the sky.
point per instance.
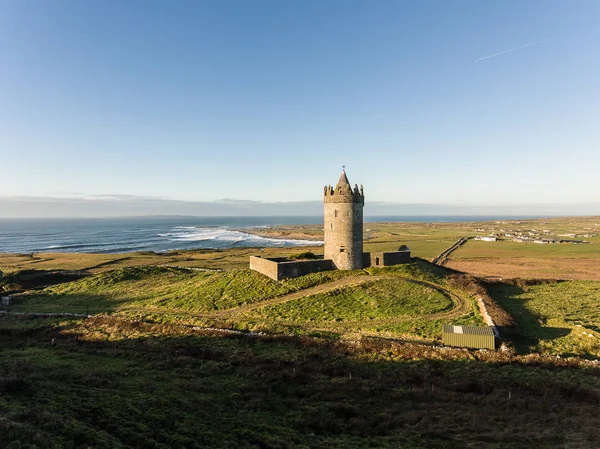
(425, 102)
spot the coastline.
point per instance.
(287, 232)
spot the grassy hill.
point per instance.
(404, 300)
(166, 289)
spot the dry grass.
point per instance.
(530, 268)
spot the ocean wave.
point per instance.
(70, 246)
(234, 238)
(109, 236)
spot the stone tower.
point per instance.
(344, 224)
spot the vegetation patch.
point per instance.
(307, 255)
(107, 383)
(560, 317)
(381, 299)
(30, 279)
(167, 289)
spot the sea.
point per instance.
(160, 234)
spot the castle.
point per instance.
(343, 231)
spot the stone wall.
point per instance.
(300, 268)
(280, 268)
(264, 266)
(386, 259)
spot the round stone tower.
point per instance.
(344, 224)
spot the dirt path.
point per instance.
(311, 291)
(460, 305)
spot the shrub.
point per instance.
(307, 255)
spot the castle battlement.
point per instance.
(343, 192)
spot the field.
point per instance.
(528, 260)
(552, 317)
(507, 259)
(97, 263)
(107, 382)
(405, 301)
(192, 349)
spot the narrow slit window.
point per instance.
(331, 225)
(335, 213)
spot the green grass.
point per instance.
(166, 289)
(427, 328)
(404, 303)
(387, 298)
(553, 317)
(507, 249)
(200, 298)
(77, 385)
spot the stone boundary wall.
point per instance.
(441, 259)
(487, 318)
(279, 268)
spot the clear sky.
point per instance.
(446, 102)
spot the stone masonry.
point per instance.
(343, 207)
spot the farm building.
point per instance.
(477, 337)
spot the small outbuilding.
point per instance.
(477, 337)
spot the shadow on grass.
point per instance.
(529, 329)
(35, 279)
(151, 387)
(67, 303)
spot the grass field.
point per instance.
(147, 373)
(164, 289)
(527, 260)
(553, 317)
(508, 259)
(386, 298)
(111, 383)
(399, 301)
(97, 263)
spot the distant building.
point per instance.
(343, 230)
(489, 238)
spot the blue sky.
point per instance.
(266, 100)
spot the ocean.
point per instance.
(121, 235)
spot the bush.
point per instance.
(303, 256)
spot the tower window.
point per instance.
(335, 213)
(342, 249)
(332, 226)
